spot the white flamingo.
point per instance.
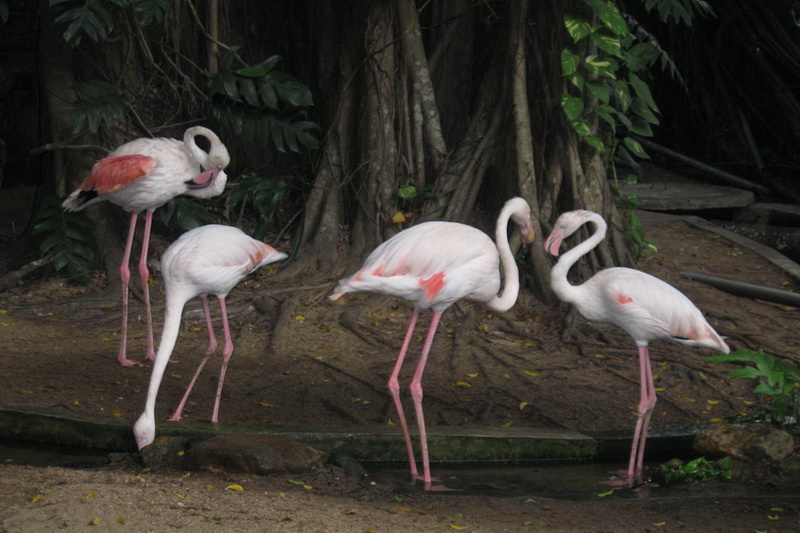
(643, 305)
(143, 175)
(433, 265)
(207, 260)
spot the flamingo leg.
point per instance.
(417, 394)
(144, 275)
(647, 401)
(394, 389)
(125, 276)
(226, 356)
(212, 345)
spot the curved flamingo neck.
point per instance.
(508, 265)
(203, 158)
(558, 276)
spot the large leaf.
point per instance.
(99, 104)
(608, 13)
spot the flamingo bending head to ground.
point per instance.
(433, 265)
(207, 260)
(142, 175)
(644, 306)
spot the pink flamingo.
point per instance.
(142, 175)
(644, 306)
(433, 265)
(207, 260)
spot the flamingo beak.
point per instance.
(527, 232)
(203, 180)
(553, 243)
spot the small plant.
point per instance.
(266, 195)
(69, 237)
(700, 469)
(778, 379)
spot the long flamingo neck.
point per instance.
(508, 265)
(558, 276)
(169, 336)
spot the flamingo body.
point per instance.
(646, 307)
(433, 265)
(209, 260)
(142, 175)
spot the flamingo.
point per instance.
(142, 175)
(433, 265)
(644, 306)
(210, 259)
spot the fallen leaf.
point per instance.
(265, 404)
(96, 521)
(187, 474)
(523, 405)
(300, 318)
(473, 375)
(235, 487)
(398, 218)
(458, 528)
(90, 495)
(529, 373)
(604, 494)
(116, 413)
(37, 498)
(121, 520)
(181, 496)
(461, 384)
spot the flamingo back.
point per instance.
(646, 307)
(432, 265)
(212, 259)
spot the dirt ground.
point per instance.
(328, 365)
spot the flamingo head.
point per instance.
(144, 430)
(521, 216)
(567, 224)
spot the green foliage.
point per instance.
(700, 469)
(681, 11)
(98, 104)
(265, 195)
(94, 19)
(69, 237)
(261, 103)
(778, 379)
(188, 213)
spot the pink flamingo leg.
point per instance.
(417, 394)
(647, 401)
(144, 275)
(226, 356)
(212, 345)
(125, 276)
(394, 389)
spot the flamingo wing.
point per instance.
(649, 308)
(108, 176)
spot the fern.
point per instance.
(98, 104)
(69, 237)
(265, 195)
(263, 104)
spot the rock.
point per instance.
(746, 442)
(163, 452)
(252, 454)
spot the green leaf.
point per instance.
(608, 13)
(600, 89)
(607, 42)
(578, 27)
(572, 106)
(639, 107)
(602, 66)
(595, 142)
(635, 148)
(569, 62)
(581, 127)
(407, 192)
(746, 372)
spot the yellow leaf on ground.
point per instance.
(37, 498)
(529, 373)
(96, 521)
(473, 375)
(461, 384)
(523, 405)
(398, 218)
(236, 487)
(300, 318)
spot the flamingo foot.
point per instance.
(128, 363)
(623, 479)
(174, 418)
(429, 484)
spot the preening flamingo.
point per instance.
(433, 265)
(142, 175)
(206, 260)
(643, 305)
